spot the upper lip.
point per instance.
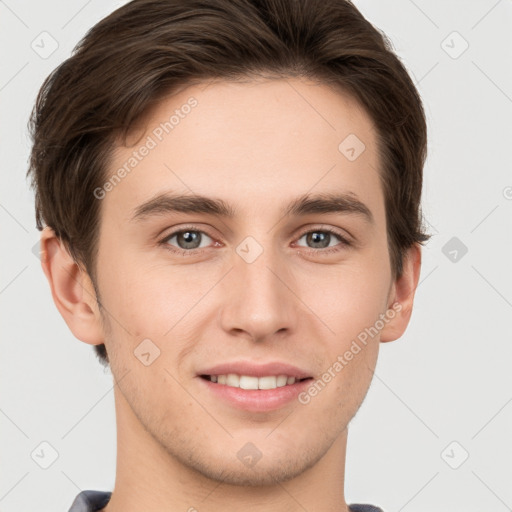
(256, 370)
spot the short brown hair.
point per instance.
(149, 48)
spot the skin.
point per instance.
(257, 145)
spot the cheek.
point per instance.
(349, 298)
(159, 302)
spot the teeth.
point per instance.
(281, 380)
(250, 382)
(266, 382)
(233, 380)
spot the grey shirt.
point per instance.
(91, 501)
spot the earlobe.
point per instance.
(402, 296)
(72, 290)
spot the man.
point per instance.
(230, 196)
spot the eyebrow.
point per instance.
(304, 205)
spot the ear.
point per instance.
(401, 296)
(72, 290)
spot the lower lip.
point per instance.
(257, 400)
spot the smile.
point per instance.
(251, 382)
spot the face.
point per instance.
(260, 274)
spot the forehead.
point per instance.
(258, 141)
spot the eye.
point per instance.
(187, 240)
(321, 240)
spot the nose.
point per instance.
(257, 298)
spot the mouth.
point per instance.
(255, 394)
(254, 386)
(252, 382)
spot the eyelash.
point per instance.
(194, 252)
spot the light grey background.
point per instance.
(448, 379)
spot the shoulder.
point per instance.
(360, 507)
(90, 501)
